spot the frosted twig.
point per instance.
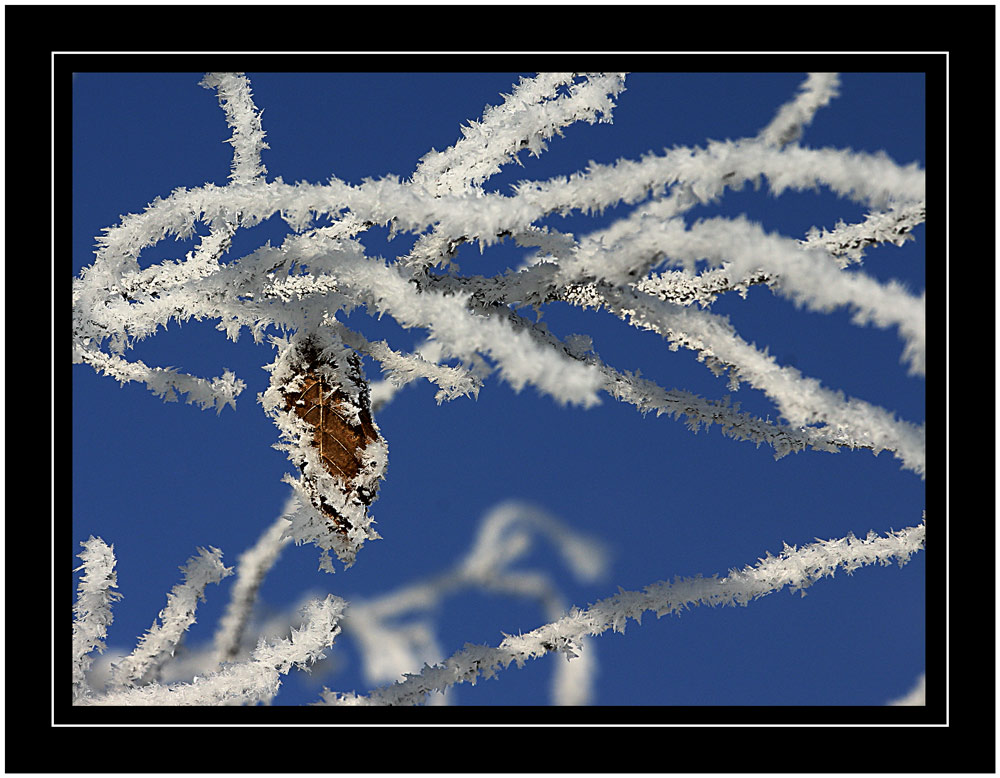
(803, 401)
(796, 568)
(846, 242)
(166, 382)
(242, 115)
(161, 640)
(531, 114)
(321, 273)
(251, 568)
(92, 610)
(816, 91)
(251, 682)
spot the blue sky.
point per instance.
(160, 479)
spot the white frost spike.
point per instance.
(320, 402)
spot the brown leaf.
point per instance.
(333, 401)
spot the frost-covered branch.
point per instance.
(788, 123)
(394, 631)
(803, 401)
(401, 369)
(92, 611)
(161, 640)
(166, 382)
(872, 179)
(846, 242)
(851, 423)
(530, 115)
(646, 268)
(242, 115)
(251, 682)
(252, 567)
(796, 568)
